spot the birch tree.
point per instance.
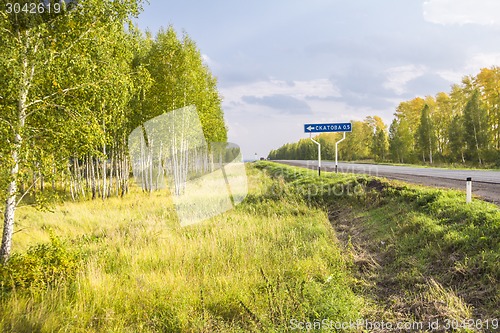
(475, 124)
(46, 70)
(456, 139)
(442, 117)
(425, 134)
(488, 80)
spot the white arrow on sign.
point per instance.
(310, 128)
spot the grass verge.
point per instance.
(127, 266)
(438, 165)
(396, 253)
(419, 254)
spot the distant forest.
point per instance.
(462, 126)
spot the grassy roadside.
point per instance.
(419, 254)
(395, 253)
(437, 165)
(125, 265)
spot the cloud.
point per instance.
(375, 53)
(451, 76)
(271, 91)
(298, 89)
(257, 130)
(445, 12)
(472, 66)
(363, 85)
(482, 60)
(206, 59)
(427, 84)
(398, 77)
(283, 103)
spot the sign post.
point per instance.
(336, 153)
(332, 127)
(319, 153)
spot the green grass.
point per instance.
(427, 242)
(441, 165)
(270, 260)
(396, 252)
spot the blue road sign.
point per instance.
(335, 127)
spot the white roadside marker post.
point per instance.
(319, 153)
(336, 153)
(469, 190)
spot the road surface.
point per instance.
(485, 183)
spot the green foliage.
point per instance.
(180, 78)
(41, 267)
(476, 132)
(456, 135)
(429, 232)
(426, 136)
(380, 145)
(304, 149)
(357, 145)
(73, 91)
(460, 127)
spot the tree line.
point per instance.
(74, 87)
(462, 126)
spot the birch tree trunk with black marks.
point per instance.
(27, 73)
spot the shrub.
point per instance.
(40, 267)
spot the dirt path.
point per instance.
(421, 305)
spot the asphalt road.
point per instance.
(485, 183)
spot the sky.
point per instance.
(283, 63)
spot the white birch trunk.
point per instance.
(104, 178)
(10, 203)
(150, 166)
